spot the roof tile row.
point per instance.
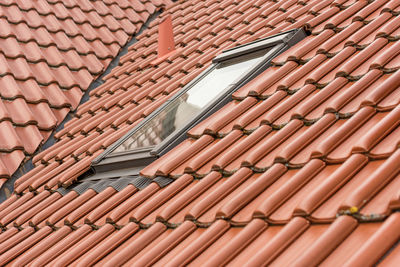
(50, 52)
(301, 168)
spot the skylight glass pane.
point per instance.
(184, 108)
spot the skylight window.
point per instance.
(167, 126)
(178, 112)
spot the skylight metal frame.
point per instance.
(133, 159)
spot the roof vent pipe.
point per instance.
(166, 44)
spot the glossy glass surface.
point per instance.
(181, 110)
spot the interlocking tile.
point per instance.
(50, 52)
(300, 168)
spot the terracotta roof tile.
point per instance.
(300, 168)
(51, 48)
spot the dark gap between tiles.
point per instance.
(8, 187)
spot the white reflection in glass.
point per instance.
(184, 108)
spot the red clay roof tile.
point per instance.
(49, 44)
(300, 168)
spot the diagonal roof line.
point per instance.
(26, 166)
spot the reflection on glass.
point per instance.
(182, 109)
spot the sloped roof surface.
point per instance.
(50, 53)
(301, 168)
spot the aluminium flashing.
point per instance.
(163, 181)
(63, 191)
(117, 183)
(140, 182)
(100, 186)
(121, 183)
(78, 188)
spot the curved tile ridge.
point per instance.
(299, 241)
(307, 161)
(50, 52)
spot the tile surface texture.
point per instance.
(301, 168)
(50, 52)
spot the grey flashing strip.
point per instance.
(118, 184)
(63, 191)
(78, 188)
(121, 183)
(141, 182)
(82, 188)
(163, 181)
(100, 186)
